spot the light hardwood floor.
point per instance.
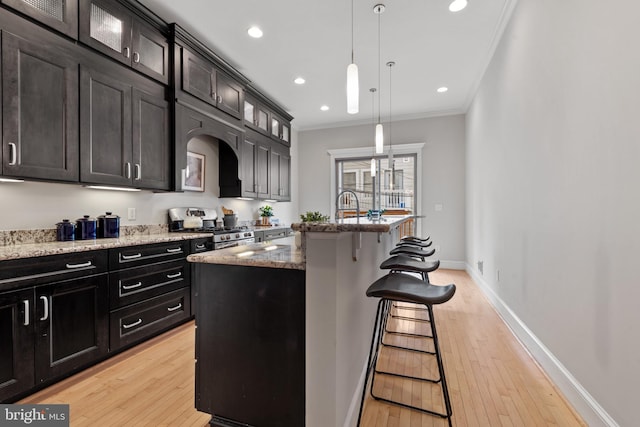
(492, 379)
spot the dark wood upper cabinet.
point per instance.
(203, 80)
(113, 30)
(40, 109)
(16, 336)
(280, 169)
(61, 15)
(124, 132)
(256, 116)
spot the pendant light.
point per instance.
(390, 64)
(373, 160)
(378, 10)
(353, 86)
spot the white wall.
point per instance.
(31, 205)
(553, 148)
(443, 173)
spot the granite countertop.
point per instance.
(54, 248)
(284, 254)
(384, 225)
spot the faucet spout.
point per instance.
(340, 208)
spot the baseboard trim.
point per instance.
(351, 420)
(588, 408)
(453, 265)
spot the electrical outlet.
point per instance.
(131, 214)
(481, 267)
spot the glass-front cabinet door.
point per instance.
(275, 127)
(106, 27)
(61, 15)
(262, 120)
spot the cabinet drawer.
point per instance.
(201, 245)
(136, 284)
(134, 256)
(276, 234)
(53, 268)
(140, 321)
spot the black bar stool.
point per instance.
(414, 243)
(405, 288)
(412, 251)
(415, 239)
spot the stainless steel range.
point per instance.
(203, 220)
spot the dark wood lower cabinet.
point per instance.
(250, 345)
(71, 325)
(16, 343)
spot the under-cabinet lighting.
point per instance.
(11, 180)
(244, 198)
(270, 201)
(245, 254)
(104, 187)
(271, 248)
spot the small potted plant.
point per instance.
(266, 212)
(314, 217)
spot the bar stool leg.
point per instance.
(371, 361)
(445, 389)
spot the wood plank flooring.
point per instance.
(492, 379)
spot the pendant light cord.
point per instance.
(379, 66)
(352, 20)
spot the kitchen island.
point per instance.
(283, 332)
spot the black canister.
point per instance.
(65, 231)
(108, 226)
(86, 228)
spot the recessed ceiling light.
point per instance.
(325, 108)
(255, 32)
(442, 89)
(299, 81)
(457, 5)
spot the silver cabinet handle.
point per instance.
(177, 307)
(173, 276)
(136, 57)
(137, 285)
(138, 171)
(45, 301)
(126, 52)
(174, 250)
(128, 166)
(13, 154)
(214, 95)
(128, 257)
(26, 312)
(131, 325)
(219, 99)
(84, 264)
(201, 246)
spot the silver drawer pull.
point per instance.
(45, 301)
(131, 325)
(174, 250)
(26, 312)
(13, 150)
(177, 307)
(201, 246)
(128, 257)
(137, 285)
(173, 276)
(126, 52)
(84, 264)
(136, 57)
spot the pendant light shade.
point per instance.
(373, 167)
(379, 139)
(353, 89)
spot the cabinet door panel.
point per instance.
(71, 325)
(16, 336)
(230, 96)
(150, 52)
(249, 152)
(105, 129)
(40, 114)
(263, 161)
(151, 144)
(107, 28)
(285, 178)
(198, 77)
(61, 15)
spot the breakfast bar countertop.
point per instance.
(362, 224)
(283, 254)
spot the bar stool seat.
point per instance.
(406, 288)
(412, 251)
(415, 243)
(406, 263)
(415, 238)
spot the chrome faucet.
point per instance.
(339, 209)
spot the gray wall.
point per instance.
(443, 173)
(553, 148)
(31, 205)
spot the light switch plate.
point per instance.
(131, 214)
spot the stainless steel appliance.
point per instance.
(206, 217)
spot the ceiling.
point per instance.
(432, 47)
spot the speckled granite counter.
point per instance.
(284, 254)
(384, 225)
(53, 248)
